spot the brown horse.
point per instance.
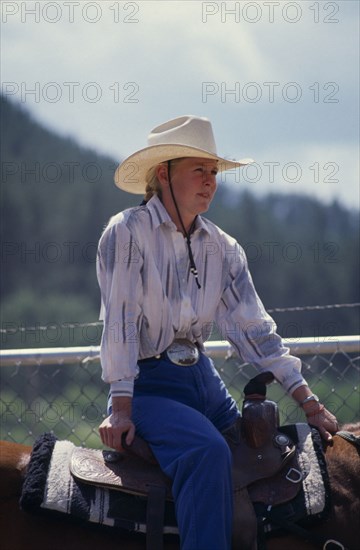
(20, 530)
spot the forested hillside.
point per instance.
(57, 197)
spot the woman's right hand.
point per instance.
(118, 423)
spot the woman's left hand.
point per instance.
(323, 420)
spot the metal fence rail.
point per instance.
(60, 389)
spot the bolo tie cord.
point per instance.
(193, 269)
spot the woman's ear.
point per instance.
(161, 172)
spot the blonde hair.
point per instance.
(153, 186)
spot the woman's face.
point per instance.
(194, 185)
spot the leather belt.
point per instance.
(181, 352)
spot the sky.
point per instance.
(279, 81)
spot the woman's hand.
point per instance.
(316, 414)
(323, 420)
(118, 423)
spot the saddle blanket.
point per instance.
(312, 504)
(49, 485)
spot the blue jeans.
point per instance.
(180, 412)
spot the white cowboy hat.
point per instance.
(185, 136)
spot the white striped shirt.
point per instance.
(149, 297)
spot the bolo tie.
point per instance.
(187, 234)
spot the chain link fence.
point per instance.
(60, 390)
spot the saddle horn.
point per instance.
(260, 417)
(257, 385)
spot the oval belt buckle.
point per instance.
(183, 352)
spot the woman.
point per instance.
(166, 274)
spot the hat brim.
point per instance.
(131, 173)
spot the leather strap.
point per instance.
(155, 518)
(244, 532)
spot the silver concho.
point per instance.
(183, 352)
(281, 440)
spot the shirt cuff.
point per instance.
(122, 388)
(291, 386)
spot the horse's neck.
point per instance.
(342, 457)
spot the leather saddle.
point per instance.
(265, 468)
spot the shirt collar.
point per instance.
(160, 215)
